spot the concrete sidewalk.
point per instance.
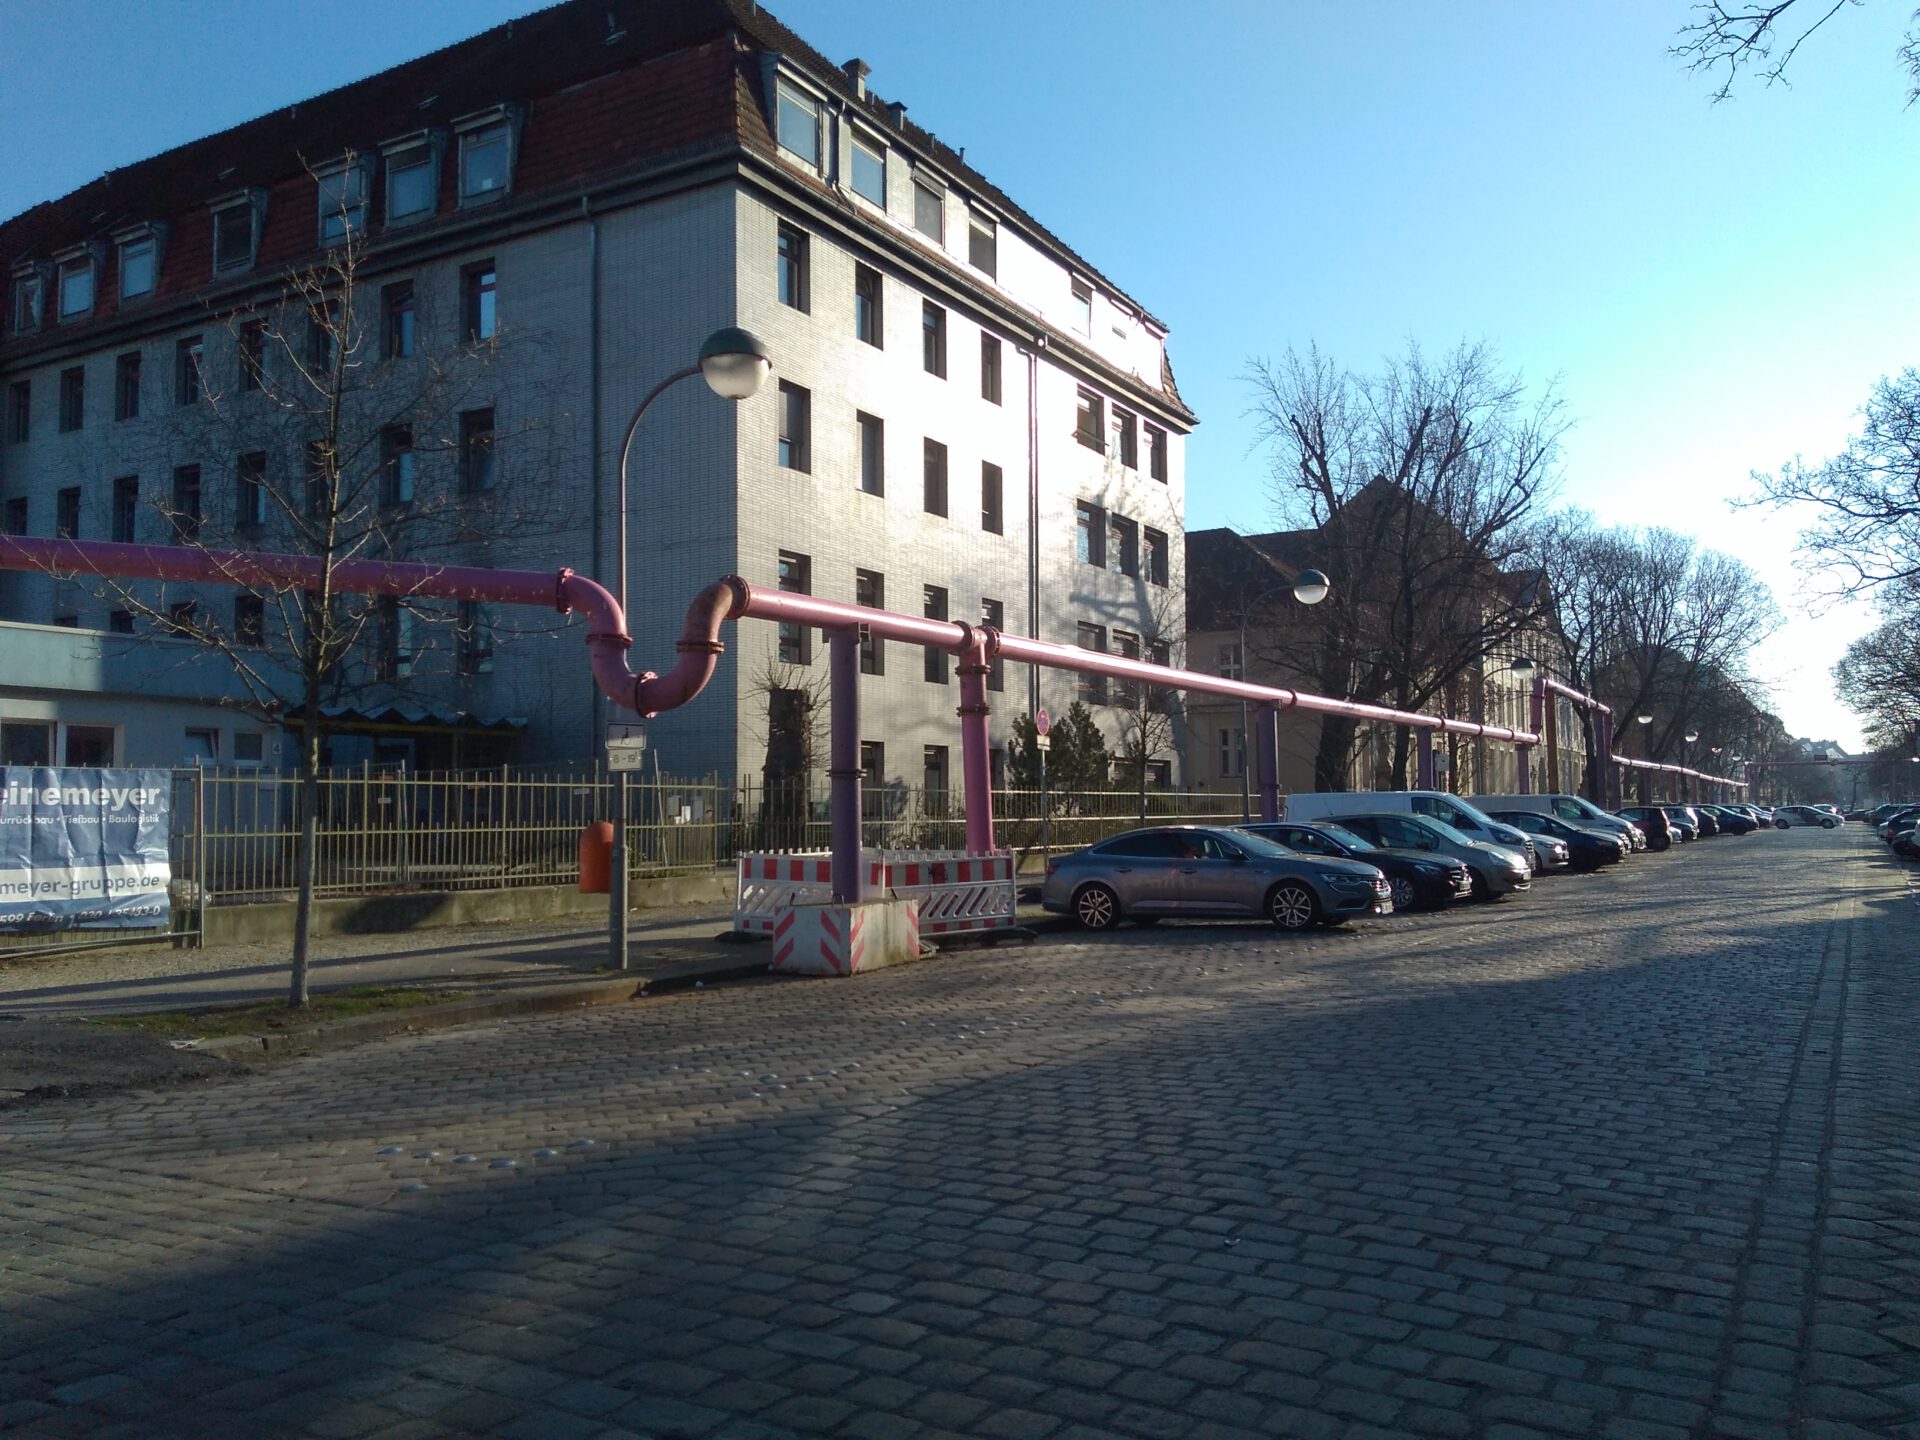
(135, 980)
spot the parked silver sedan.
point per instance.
(1199, 871)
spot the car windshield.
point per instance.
(1260, 845)
(1347, 838)
(1446, 831)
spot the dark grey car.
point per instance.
(1197, 871)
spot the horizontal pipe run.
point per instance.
(1656, 767)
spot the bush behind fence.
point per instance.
(381, 831)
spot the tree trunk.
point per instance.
(1402, 740)
(1336, 747)
(306, 858)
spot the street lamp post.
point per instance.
(1686, 755)
(1309, 588)
(1646, 752)
(735, 365)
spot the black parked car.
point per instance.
(1418, 879)
(1732, 821)
(1653, 820)
(1586, 849)
(1704, 825)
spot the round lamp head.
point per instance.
(1310, 587)
(734, 363)
(1521, 665)
(1692, 735)
(1644, 719)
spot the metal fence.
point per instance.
(379, 831)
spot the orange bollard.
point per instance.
(596, 858)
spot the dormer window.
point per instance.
(139, 262)
(413, 178)
(929, 208)
(236, 231)
(486, 156)
(76, 286)
(983, 243)
(870, 171)
(1083, 307)
(27, 304)
(799, 125)
(343, 201)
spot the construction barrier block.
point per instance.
(845, 939)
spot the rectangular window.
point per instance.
(474, 632)
(1160, 653)
(26, 742)
(1126, 692)
(136, 267)
(396, 465)
(66, 513)
(1157, 453)
(929, 210)
(1083, 307)
(250, 491)
(17, 515)
(1093, 688)
(76, 287)
(343, 203)
(126, 509)
(253, 354)
(873, 760)
(321, 476)
(19, 410)
(197, 746)
(477, 465)
(486, 160)
(397, 315)
(868, 314)
(873, 454)
(185, 513)
(934, 607)
(991, 484)
(993, 613)
(188, 356)
(1129, 437)
(933, 486)
(1090, 422)
(1229, 663)
(933, 779)
(983, 243)
(1123, 546)
(90, 745)
(394, 660)
(249, 747)
(1233, 751)
(933, 339)
(410, 183)
(990, 368)
(249, 621)
(799, 125)
(73, 398)
(1090, 534)
(791, 266)
(870, 171)
(233, 238)
(870, 589)
(126, 386)
(29, 304)
(796, 578)
(478, 282)
(120, 622)
(1156, 556)
(796, 426)
(323, 338)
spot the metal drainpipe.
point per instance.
(596, 712)
(1032, 353)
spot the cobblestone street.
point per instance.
(1635, 1155)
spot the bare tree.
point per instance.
(1414, 488)
(1879, 675)
(356, 429)
(1763, 36)
(1865, 501)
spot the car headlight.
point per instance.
(1340, 880)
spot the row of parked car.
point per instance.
(1895, 824)
(1343, 856)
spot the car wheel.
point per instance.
(1096, 907)
(1780, 825)
(1828, 824)
(1402, 891)
(1292, 906)
(1481, 890)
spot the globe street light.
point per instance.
(735, 365)
(1310, 587)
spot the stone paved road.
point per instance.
(1635, 1156)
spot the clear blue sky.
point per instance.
(1716, 287)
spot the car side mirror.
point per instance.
(1238, 857)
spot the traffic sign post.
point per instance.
(1043, 742)
(626, 752)
(626, 747)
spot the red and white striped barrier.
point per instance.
(955, 892)
(845, 939)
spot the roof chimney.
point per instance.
(857, 71)
(898, 108)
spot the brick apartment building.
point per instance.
(965, 418)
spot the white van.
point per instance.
(1574, 809)
(1434, 804)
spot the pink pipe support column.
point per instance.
(976, 764)
(843, 762)
(1266, 724)
(1423, 760)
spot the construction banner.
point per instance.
(83, 849)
